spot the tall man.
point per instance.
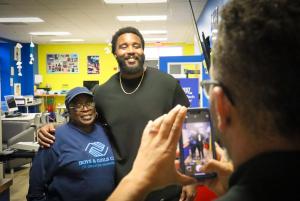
(254, 97)
(132, 97)
(196, 143)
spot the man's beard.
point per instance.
(131, 70)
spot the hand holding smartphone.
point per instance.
(197, 143)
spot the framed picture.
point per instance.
(62, 63)
(93, 65)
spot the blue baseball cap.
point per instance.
(75, 92)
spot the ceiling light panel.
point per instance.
(133, 1)
(153, 32)
(155, 39)
(49, 33)
(139, 18)
(21, 19)
(67, 40)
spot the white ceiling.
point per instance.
(94, 21)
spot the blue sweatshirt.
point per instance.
(78, 167)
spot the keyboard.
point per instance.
(11, 115)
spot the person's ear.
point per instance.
(222, 108)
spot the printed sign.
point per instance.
(190, 87)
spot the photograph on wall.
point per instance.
(93, 64)
(62, 63)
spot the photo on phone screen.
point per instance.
(197, 143)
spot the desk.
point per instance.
(24, 117)
(17, 154)
(29, 119)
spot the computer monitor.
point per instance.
(90, 84)
(11, 103)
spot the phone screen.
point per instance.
(197, 143)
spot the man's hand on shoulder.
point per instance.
(45, 135)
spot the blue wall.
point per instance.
(27, 78)
(28, 71)
(204, 25)
(204, 20)
(5, 64)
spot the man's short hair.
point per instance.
(257, 57)
(123, 31)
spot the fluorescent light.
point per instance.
(142, 18)
(152, 32)
(67, 40)
(49, 33)
(20, 19)
(133, 1)
(155, 39)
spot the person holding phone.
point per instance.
(80, 165)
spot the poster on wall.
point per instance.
(17, 89)
(190, 87)
(62, 63)
(93, 65)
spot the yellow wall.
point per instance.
(188, 49)
(108, 64)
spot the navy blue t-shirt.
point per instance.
(79, 166)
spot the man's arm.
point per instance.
(179, 97)
(46, 135)
(154, 165)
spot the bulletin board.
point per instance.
(62, 63)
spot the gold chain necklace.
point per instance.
(129, 93)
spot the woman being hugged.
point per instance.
(80, 165)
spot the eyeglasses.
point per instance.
(207, 85)
(80, 106)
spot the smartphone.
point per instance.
(197, 143)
